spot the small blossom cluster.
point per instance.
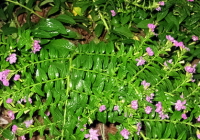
(195, 38)
(149, 98)
(125, 133)
(180, 105)
(28, 123)
(169, 61)
(24, 100)
(145, 84)
(113, 13)
(176, 43)
(3, 77)
(152, 28)
(159, 110)
(12, 58)
(190, 69)
(92, 135)
(161, 3)
(36, 46)
(149, 51)
(102, 108)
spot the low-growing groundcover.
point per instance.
(129, 73)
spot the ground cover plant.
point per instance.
(99, 69)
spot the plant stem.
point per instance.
(17, 3)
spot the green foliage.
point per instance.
(72, 81)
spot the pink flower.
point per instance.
(158, 8)
(198, 119)
(169, 61)
(162, 115)
(3, 77)
(30, 100)
(92, 135)
(14, 128)
(141, 61)
(11, 115)
(159, 107)
(145, 84)
(113, 12)
(134, 104)
(12, 58)
(28, 123)
(23, 138)
(148, 110)
(190, 69)
(184, 116)
(48, 113)
(125, 133)
(102, 108)
(180, 105)
(170, 38)
(190, 0)
(149, 51)
(151, 27)
(82, 129)
(9, 100)
(162, 3)
(17, 76)
(149, 98)
(36, 46)
(116, 108)
(195, 38)
(139, 126)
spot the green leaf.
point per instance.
(66, 19)
(102, 117)
(123, 31)
(53, 10)
(162, 15)
(143, 24)
(53, 72)
(8, 134)
(98, 30)
(51, 25)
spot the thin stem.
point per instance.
(17, 3)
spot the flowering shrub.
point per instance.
(58, 88)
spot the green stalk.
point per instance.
(17, 3)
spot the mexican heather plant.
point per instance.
(59, 88)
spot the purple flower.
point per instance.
(48, 113)
(162, 115)
(145, 84)
(116, 108)
(134, 104)
(141, 61)
(180, 105)
(170, 38)
(162, 3)
(148, 110)
(195, 38)
(149, 98)
(92, 135)
(30, 100)
(102, 108)
(190, 69)
(190, 0)
(3, 77)
(14, 128)
(149, 51)
(125, 133)
(184, 116)
(159, 107)
(9, 100)
(151, 27)
(23, 138)
(28, 123)
(113, 12)
(36, 46)
(12, 58)
(11, 115)
(17, 76)
(139, 126)
(169, 61)
(158, 8)
(198, 136)
(198, 119)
